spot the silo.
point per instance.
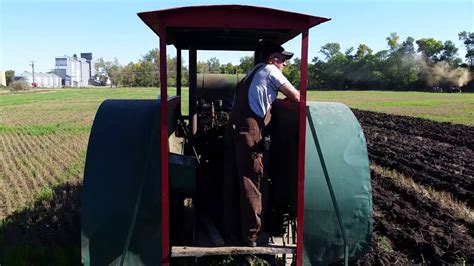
(58, 82)
(41, 79)
(55, 81)
(27, 77)
(85, 76)
(3, 80)
(50, 80)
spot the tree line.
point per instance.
(146, 72)
(410, 64)
(406, 65)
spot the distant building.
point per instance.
(3, 80)
(88, 57)
(74, 71)
(48, 80)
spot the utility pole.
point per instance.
(33, 69)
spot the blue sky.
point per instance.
(40, 30)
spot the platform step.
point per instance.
(184, 251)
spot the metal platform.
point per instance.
(184, 251)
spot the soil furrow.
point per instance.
(418, 227)
(459, 190)
(5, 198)
(27, 154)
(61, 143)
(43, 171)
(442, 166)
(55, 157)
(15, 181)
(459, 135)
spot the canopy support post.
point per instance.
(192, 89)
(301, 147)
(166, 249)
(178, 72)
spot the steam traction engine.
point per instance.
(153, 175)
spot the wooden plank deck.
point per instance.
(184, 251)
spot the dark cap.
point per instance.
(273, 48)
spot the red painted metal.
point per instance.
(251, 22)
(301, 147)
(166, 250)
(178, 72)
(192, 90)
(230, 17)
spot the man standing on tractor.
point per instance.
(244, 145)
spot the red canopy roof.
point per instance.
(227, 27)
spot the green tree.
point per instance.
(330, 50)
(392, 41)
(154, 56)
(430, 49)
(408, 47)
(129, 75)
(382, 55)
(449, 54)
(228, 69)
(108, 70)
(334, 72)
(363, 51)
(172, 68)
(314, 77)
(147, 75)
(361, 69)
(115, 74)
(349, 51)
(246, 64)
(184, 74)
(149, 69)
(400, 68)
(202, 67)
(292, 72)
(468, 40)
(213, 65)
(9, 74)
(171, 64)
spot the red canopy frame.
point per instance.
(301, 148)
(226, 27)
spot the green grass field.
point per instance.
(55, 104)
(442, 107)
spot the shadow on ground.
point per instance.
(46, 233)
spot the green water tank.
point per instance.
(344, 152)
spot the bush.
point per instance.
(19, 85)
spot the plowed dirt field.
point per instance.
(437, 157)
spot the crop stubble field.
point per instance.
(422, 171)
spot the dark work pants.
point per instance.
(243, 177)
